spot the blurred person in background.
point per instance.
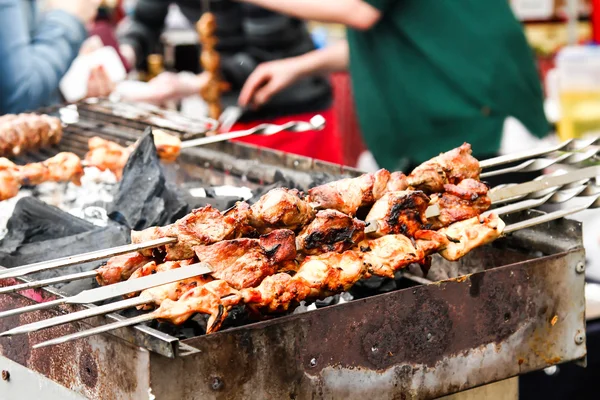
(247, 36)
(427, 75)
(37, 50)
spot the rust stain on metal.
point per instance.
(554, 320)
(521, 361)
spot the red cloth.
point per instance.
(322, 145)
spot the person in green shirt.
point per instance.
(427, 75)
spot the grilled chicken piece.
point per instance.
(120, 268)
(64, 167)
(28, 131)
(9, 185)
(397, 182)
(246, 262)
(212, 298)
(167, 146)
(398, 212)
(459, 202)
(318, 277)
(386, 255)
(202, 226)
(173, 290)
(450, 167)
(107, 155)
(33, 174)
(348, 195)
(466, 235)
(330, 231)
(280, 208)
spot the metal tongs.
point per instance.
(316, 123)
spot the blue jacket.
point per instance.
(34, 58)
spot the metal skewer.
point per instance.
(97, 330)
(118, 289)
(48, 282)
(83, 258)
(316, 123)
(77, 316)
(539, 164)
(568, 145)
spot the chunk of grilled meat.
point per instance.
(330, 231)
(212, 298)
(64, 167)
(28, 131)
(281, 208)
(459, 202)
(169, 291)
(202, 226)
(9, 185)
(246, 262)
(398, 212)
(466, 235)
(168, 147)
(120, 268)
(318, 277)
(348, 195)
(450, 167)
(107, 155)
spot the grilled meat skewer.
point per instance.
(63, 167)
(28, 131)
(324, 275)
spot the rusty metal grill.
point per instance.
(505, 309)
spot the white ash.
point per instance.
(86, 201)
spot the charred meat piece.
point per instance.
(397, 182)
(459, 202)
(172, 290)
(168, 146)
(64, 167)
(213, 298)
(33, 174)
(318, 277)
(107, 155)
(387, 254)
(398, 212)
(9, 185)
(120, 268)
(348, 195)
(27, 131)
(202, 226)
(246, 262)
(330, 231)
(450, 167)
(280, 208)
(466, 235)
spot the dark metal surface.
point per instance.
(421, 342)
(86, 367)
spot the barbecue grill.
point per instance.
(514, 306)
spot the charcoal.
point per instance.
(34, 221)
(143, 197)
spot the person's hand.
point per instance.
(168, 86)
(268, 79)
(99, 83)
